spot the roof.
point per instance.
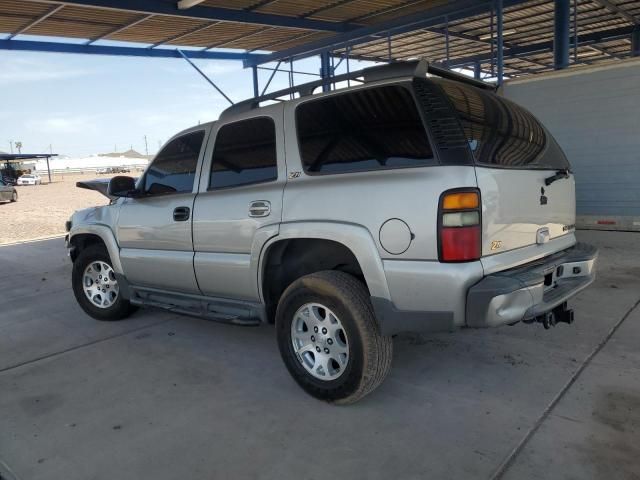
(368, 29)
(25, 156)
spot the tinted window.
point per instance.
(245, 153)
(502, 133)
(174, 168)
(369, 129)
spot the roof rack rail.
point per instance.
(414, 68)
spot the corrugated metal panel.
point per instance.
(594, 115)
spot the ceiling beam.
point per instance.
(157, 7)
(452, 11)
(617, 10)
(59, 47)
(120, 29)
(35, 22)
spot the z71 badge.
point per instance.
(496, 244)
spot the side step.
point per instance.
(219, 310)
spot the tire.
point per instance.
(332, 296)
(115, 307)
(14, 196)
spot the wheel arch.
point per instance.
(82, 237)
(353, 246)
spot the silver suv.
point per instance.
(416, 201)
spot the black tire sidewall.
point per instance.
(120, 308)
(347, 383)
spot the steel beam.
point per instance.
(201, 12)
(457, 10)
(204, 75)
(55, 47)
(185, 34)
(635, 42)
(619, 11)
(35, 22)
(562, 22)
(546, 46)
(500, 38)
(325, 71)
(256, 87)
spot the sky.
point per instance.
(87, 104)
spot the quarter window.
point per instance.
(174, 168)
(245, 153)
(370, 129)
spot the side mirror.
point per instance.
(122, 186)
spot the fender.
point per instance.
(355, 237)
(106, 235)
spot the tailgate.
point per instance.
(519, 210)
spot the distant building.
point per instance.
(128, 154)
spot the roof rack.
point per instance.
(414, 68)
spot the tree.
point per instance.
(19, 146)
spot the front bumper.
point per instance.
(531, 291)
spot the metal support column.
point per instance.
(48, 170)
(325, 70)
(562, 22)
(500, 46)
(477, 70)
(256, 88)
(635, 42)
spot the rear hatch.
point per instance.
(526, 187)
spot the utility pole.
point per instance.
(11, 145)
(51, 149)
(146, 146)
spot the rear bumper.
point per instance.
(532, 290)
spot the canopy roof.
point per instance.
(368, 29)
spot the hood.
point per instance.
(99, 185)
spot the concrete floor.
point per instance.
(160, 396)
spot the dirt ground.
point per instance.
(41, 210)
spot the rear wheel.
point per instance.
(329, 338)
(95, 286)
(14, 196)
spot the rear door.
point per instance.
(239, 202)
(154, 231)
(527, 190)
(5, 192)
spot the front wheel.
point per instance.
(95, 286)
(329, 339)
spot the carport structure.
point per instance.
(498, 38)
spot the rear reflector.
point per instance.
(460, 244)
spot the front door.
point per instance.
(154, 230)
(239, 204)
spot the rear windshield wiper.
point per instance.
(559, 175)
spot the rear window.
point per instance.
(371, 129)
(501, 133)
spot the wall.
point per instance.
(594, 113)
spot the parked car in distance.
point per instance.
(109, 170)
(29, 179)
(8, 193)
(407, 203)
(103, 170)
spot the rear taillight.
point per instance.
(459, 226)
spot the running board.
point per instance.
(220, 310)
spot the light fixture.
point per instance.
(487, 36)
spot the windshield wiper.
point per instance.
(559, 175)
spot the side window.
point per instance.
(174, 168)
(244, 153)
(370, 129)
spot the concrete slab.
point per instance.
(162, 396)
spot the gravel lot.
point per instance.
(41, 210)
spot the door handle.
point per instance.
(259, 208)
(181, 214)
